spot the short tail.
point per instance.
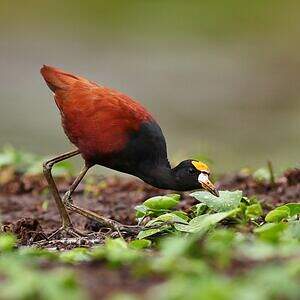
(57, 79)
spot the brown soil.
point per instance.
(25, 201)
(27, 209)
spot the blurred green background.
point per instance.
(221, 77)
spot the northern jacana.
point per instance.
(111, 129)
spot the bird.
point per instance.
(110, 129)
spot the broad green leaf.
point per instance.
(225, 202)
(253, 211)
(278, 214)
(161, 202)
(204, 222)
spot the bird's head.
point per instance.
(193, 174)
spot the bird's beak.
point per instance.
(207, 184)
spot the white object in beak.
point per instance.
(207, 185)
(203, 178)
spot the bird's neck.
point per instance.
(162, 177)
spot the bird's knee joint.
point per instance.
(67, 199)
(47, 166)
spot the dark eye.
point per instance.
(192, 171)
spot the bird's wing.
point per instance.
(98, 120)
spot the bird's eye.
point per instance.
(192, 171)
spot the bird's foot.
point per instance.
(130, 229)
(66, 232)
(135, 229)
(121, 229)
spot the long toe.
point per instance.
(65, 232)
(130, 229)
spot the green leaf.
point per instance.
(225, 202)
(75, 255)
(148, 232)
(278, 214)
(174, 246)
(7, 242)
(181, 214)
(165, 220)
(139, 244)
(200, 209)
(141, 211)
(64, 168)
(9, 156)
(162, 202)
(294, 229)
(253, 211)
(294, 208)
(262, 175)
(283, 212)
(204, 222)
(271, 232)
(174, 196)
(117, 252)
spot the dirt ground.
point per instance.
(28, 210)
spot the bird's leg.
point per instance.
(66, 227)
(67, 198)
(102, 220)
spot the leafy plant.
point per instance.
(21, 277)
(283, 212)
(225, 202)
(203, 223)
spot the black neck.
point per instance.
(161, 177)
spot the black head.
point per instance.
(193, 174)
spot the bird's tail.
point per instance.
(57, 79)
